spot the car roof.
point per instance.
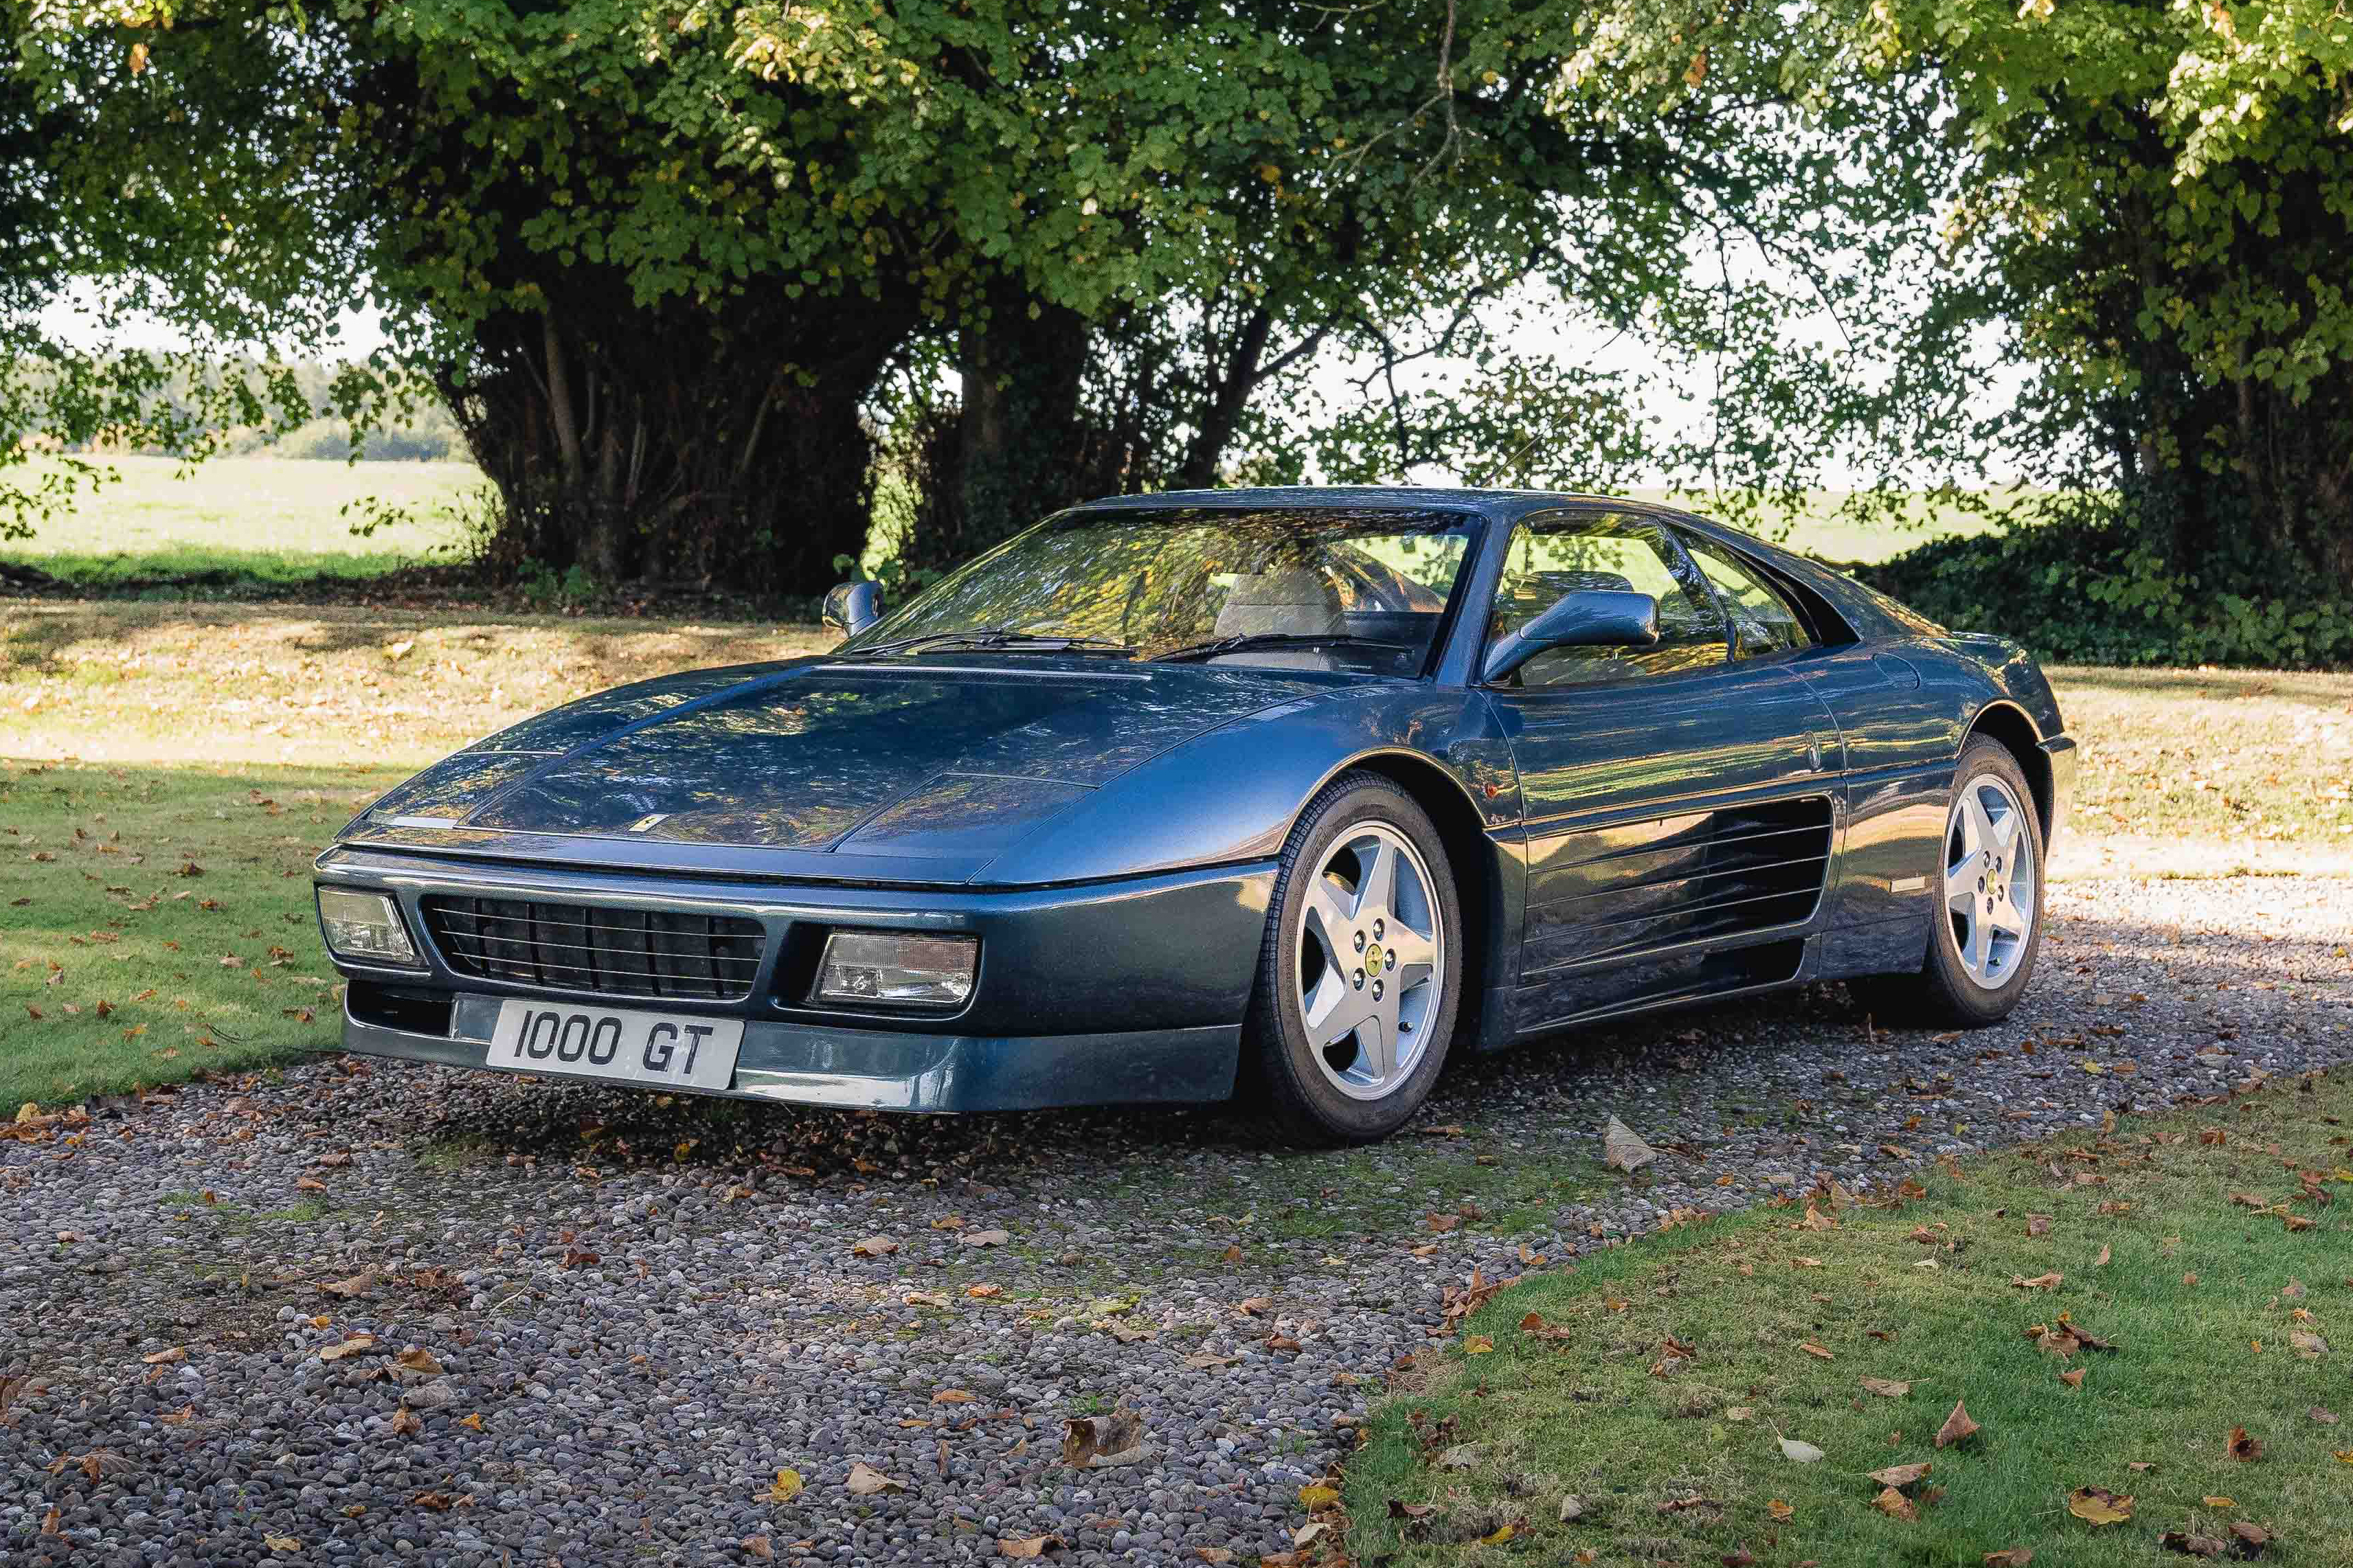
(1400, 498)
(1858, 605)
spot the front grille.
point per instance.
(596, 947)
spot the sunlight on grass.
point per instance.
(219, 684)
(1653, 1383)
(269, 519)
(156, 922)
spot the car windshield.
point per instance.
(1339, 588)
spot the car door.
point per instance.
(1678, 802)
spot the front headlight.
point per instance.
(897, 967)
(365, 929)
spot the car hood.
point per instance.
(941, 760)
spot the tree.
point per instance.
(58, 399)
(2161, 199)
(656, 256)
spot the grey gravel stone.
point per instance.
(645, 1310)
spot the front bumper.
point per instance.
(1097, 994)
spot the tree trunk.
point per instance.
(1016, 447)
(715, 445)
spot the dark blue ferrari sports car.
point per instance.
(1286, 795)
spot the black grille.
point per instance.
(595, 947)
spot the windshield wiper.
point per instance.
(1241, 640)
(1012, 638)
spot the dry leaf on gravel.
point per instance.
(415, 1358)
(1621, 1150)
(1956, 1427)
(159, 1358)
(931, 1298)
(2097, 1505)
(787, 1488)
(1097, 1442)
(352, 1346)
(865, 1481)
(1209, 1361)
(952, 1396)
(1029, 1546)
(873, 1246)
(984, 1238)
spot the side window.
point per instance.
(1604, 550)
(1762, 621)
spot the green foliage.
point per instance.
(656, 255)
(2091, 589)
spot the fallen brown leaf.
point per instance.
(1956, 1427)
(865, 1481)
(1029, 1546)
(2098, 1505)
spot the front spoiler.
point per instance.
(877, 1069)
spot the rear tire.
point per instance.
(1360, 975)
(1988, 925)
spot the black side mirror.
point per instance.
(852, 608)
(1591, 618)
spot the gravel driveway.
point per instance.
(627, 1316)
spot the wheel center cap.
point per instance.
(1373, 959)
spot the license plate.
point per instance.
(667, 1050)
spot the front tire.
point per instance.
(1360, 975)
(1988, 922)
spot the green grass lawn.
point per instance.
(1653, 1382)
(275, 521)
(1815, 528)
(155, 922)
(270, 520)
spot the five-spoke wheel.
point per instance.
(1370, 969)
(1358, 979)
(1982, 942)
(1989, 880)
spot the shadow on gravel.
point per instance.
(1707, 1047)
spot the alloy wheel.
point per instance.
(1990, 881)
(1372, 966)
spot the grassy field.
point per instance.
(275, 520)
(1635, 1408)
(1816, 529)
(271, 520)
(136, 738)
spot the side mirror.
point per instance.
(852, 608)
(1591, 618)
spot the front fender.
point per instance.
(1230, 795)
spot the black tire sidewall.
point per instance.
(1304, 1100)
(1964, 996)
